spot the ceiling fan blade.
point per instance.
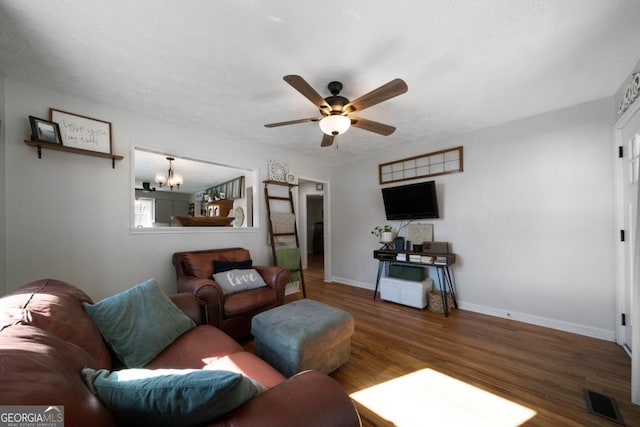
(372, 126)
(301, 85)
(327, 140)
(292, 122)
(387, 91)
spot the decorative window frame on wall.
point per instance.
(425, 165)
(232, 189)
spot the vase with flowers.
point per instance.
(385, 233)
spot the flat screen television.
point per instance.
(413, 201)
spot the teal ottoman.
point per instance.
(302, 335)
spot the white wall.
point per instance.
(530, 219)
(68, 216)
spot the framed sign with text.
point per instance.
(83, 132)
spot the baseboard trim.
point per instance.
(575, 328)
(344, 281)
(603, 334)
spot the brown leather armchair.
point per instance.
(231, 313)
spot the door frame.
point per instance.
(301, 213)
(620, 266)
(620, 178)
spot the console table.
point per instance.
(441, 263)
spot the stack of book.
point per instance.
(421, 259)
(415, 257)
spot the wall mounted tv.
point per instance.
(413, 201)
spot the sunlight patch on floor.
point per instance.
(429, 397)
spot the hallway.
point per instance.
(315, 267)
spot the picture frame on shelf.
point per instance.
(291, 178)
(45, 131)
(82, 132)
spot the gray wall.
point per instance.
(168, 204)
(530, 219)
(69, 216)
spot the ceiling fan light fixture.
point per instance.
(335, 109)
(335, 124)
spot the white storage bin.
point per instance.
(407, 292)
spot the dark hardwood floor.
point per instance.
(473, 359)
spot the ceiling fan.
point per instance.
(336, 111)
(146, 187)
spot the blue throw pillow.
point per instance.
(220, 266)
(139, 322)
(169, 397)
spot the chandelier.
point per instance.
(172, 179)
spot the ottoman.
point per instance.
(302, 335)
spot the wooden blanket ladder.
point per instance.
(291, 235)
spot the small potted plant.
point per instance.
(384, 232)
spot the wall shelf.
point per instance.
(57, 147)
(283, 183)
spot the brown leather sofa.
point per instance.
(231, 313)
(46, 339)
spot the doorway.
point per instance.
(314, 226)
(315, 234)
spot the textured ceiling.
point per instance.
(219, 65)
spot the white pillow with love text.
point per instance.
(237, 280)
